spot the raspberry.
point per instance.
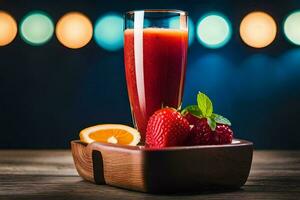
(201, 133)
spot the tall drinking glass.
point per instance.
(155, 53)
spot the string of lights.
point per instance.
(75, 30)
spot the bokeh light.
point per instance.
(36, 28)
(108, 32)
(214, 30)
(292, 27)
(74, 30)
(258, 29)
(174, 23)
(8, 28)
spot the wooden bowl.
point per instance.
(167, 170)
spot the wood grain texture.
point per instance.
(82, 157)
(168, 170)
(41, 174)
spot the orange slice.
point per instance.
(111, 133)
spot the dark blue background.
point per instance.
(49, 93)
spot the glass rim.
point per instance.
(181, 12)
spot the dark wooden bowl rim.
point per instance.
(235, 143)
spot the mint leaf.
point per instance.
(212, 123)
(193, 109)
(220, 119)
(204, 104)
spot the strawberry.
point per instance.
(208, 128)
(165, 128)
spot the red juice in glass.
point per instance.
(155, 55)
(157, 81)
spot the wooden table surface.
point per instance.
(50, 174)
